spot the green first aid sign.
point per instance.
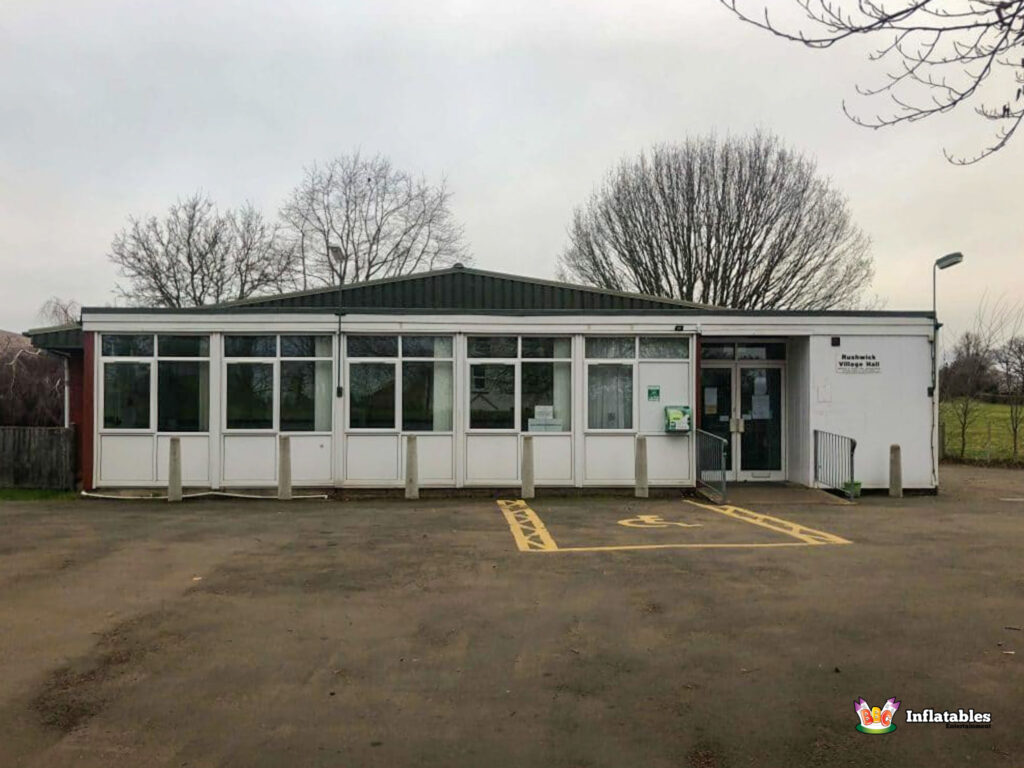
(653, 393)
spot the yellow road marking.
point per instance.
(797, 531)
(531, 535)
(626, 547)
(528, 530)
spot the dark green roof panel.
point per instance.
(463, 290)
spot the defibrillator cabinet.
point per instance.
(677, 419)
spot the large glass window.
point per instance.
(547, 397)
(492, 397)
(426, 396)
(546, 400)
(420, 368)
(372, 396)
(250, 396)
(610, 396)
(305, 395)
(126, 395)
(182, 382)
(296, 374)
(183, 395)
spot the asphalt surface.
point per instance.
(392, 633)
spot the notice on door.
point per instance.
(653, 393)
(858, 363)
(710, 401)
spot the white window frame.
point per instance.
(591, 361)
(176, 359)
(153, 360)
(275, 363)
(396, 362)
(563, 360)
(328, 358)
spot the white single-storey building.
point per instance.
(471, 362)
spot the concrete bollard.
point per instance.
(642, 488)
(528, 489)
(412, 468)
(174, 471)
(284, 468)
(895, 472)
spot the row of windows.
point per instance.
(525, 383)
(172, 345)
(500, 347)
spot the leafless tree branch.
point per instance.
(940, 56)
(743, 223)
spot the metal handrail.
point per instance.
(711, 466)
(834, 462)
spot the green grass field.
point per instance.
(32, 494)
(988, 437)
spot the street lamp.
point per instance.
(944, 262)
(947, 261)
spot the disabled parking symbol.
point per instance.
(655, 521)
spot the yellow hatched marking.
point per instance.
(797, 531)
(527, 529)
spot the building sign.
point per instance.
(653, 393)
(859, 363)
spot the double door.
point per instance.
(743, 404)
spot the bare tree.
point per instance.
(965, 377)
(743, 223)
(31, 384)
(1010, 359)
(58, 311)
(195, 256)
(354, 218)
(937, 56)
(973, 372)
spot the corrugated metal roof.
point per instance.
(461, 289)
(454, 290)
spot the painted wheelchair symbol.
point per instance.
(655, 521)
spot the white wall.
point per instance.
(798, 410)
(877, 409)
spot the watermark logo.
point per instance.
(960, 718)
(876, 719)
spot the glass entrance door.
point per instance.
(716, 407)
(742, 403)
(760, 408)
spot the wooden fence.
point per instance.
(37, 457)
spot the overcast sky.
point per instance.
(116, 108)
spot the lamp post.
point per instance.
(944, 262)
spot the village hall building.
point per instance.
(471, 363)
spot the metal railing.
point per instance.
(833, 462)
(711, 466)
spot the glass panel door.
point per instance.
(716, 405)
(760, 391)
